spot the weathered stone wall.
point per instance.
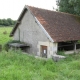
(30, 32)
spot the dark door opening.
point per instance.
(65, 46)
(44, 51)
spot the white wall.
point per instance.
(16, 35)
(30, 32)
(51, 48)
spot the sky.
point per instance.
(12, 8)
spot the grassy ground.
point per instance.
(4, 37)
(18, 66)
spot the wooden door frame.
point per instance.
(41, 50)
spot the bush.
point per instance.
(61, 53)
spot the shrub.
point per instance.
(61, 53)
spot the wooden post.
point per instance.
(75, 46)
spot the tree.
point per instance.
(69, 6)
(10, 21)
(76, 5)
(1, 22)
(7, 22)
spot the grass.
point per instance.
(5, 37)
(18, 66)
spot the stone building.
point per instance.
(47, 31)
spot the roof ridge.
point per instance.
(53, 11)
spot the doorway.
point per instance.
(43, 51)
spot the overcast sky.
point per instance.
(13, 8)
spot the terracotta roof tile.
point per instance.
(60, 26)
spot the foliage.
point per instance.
(61, 52)
(17, 66)
(7, 22)
(4, 35)
(69, 6)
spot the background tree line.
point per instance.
(69, 6)
(7, 22)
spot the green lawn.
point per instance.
(18, 66)
(5, 37)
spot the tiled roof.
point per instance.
(60, 26)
